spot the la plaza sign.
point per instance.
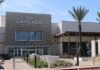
(27, 20)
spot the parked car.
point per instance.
(5, 56)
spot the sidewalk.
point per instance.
(21, 65)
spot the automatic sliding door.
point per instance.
(17, 52)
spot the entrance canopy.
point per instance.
(97, 34)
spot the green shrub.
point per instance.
(68, 63)
(45, 64)
(39, 63)
(63, 64)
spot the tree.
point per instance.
(98, 19)
(78, 14)
(1, 1)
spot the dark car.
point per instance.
(5, 56)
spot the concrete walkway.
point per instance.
(21, 65)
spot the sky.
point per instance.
(57, 8)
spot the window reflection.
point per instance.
(28, 35)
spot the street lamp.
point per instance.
(27, 54)
(27, 47)
(14, 59)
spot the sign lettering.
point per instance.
(28, 20)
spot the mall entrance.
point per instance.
(71, 49)
(24, 51)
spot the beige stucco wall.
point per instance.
(55, 49)
(54, 29)
(73, 26)
(2, 21)
(74, 39)
(2, 35)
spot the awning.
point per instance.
(97, 34)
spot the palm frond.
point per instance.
(98, 19)
(98, 14)
(78, 13)
(72, 14)
(1, 1)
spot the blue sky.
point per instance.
(57, 8)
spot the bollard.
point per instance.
(35, 61)
(27, 58)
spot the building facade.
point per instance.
(25, 33)
(68, 38)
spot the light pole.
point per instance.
(27, 48)
(13, 59)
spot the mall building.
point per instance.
(26, 33)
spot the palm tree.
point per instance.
(98, 19)
(78, 14)
(1, 1)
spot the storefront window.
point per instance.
(21, 36)
(31, 36)
(28, 36)
(38, 35)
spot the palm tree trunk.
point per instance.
(79, 47)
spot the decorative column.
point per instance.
(21, 52)
(68, 44)
(49, 51)
(6, 50)
(93, 48)
(61, 46)
(98, 46)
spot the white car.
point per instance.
(1, 61)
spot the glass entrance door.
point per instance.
(40, 51)
(17, 52)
